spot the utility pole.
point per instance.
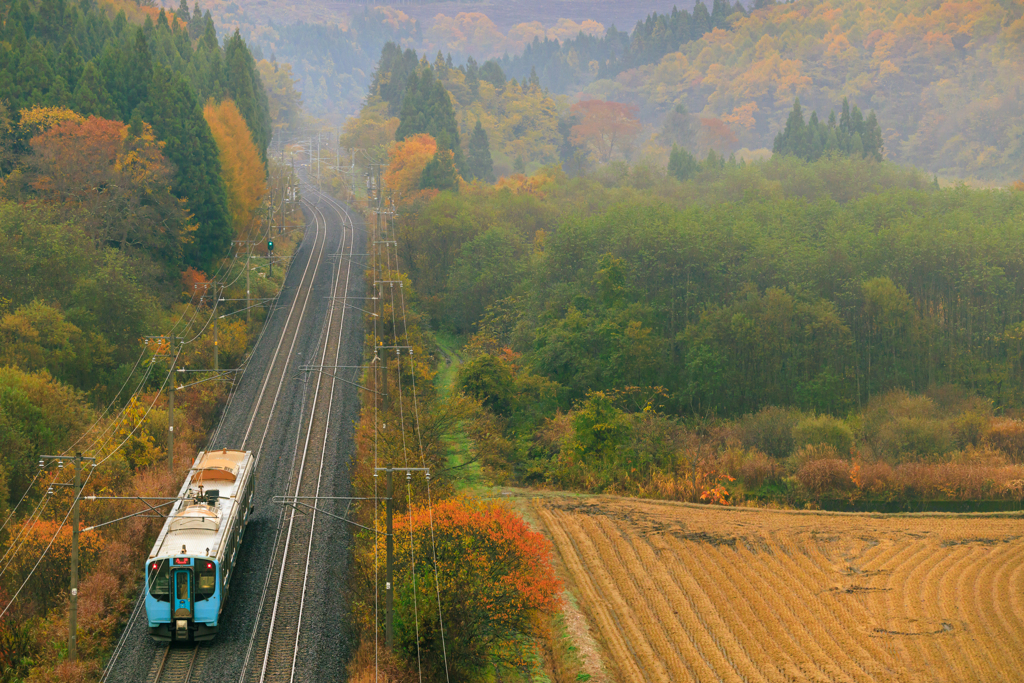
(248, 296)
(171, 341)
(170, 409)
(384, 379)
(216, 345)
(389, 585)
(389, 578)
(77, 493)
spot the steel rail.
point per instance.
(293, 550)
(319, 242)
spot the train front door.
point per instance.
(181, 605)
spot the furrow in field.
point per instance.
(1011, 624)
(749, 627)
(622, 655)
(664, 661)
(692, 588)
(790, 593)
(844, 633)
(777, 621)
(876, 659)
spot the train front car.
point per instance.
(189, 570)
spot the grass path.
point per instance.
(460, 451)
(577, 650)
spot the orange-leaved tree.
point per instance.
(36, 535)
(406, 161)
(604, 125)
(493, 577)
(244, 174)
(117, 180)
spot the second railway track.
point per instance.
(274, 650)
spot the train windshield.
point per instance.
(206, 579)
(159, 576)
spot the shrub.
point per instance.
(954, 481)
(824, 429)
(1006, 435)
(758, 469)
(489, 381)
(806, 454)
(498, 577)
(876, 478)
(909, 437)
(822, 476)
(969, 428)
(770, 430)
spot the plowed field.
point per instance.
(690, 593)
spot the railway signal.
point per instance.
(270, 256)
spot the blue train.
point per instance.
(189, 570)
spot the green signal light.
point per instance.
(270, 245)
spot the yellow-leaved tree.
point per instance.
(244, 174)
(406, 161)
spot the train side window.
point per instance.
(206, 580)
(159, 579)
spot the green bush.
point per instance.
(912, 437)
(824, 429)
(770, 430)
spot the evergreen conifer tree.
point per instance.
(479, 163)
(700, 21)
(427, 108)
(182, 13)
(682, 164)
(177, 119)
(440, 173)
(70, 64)
(472, 76)
(91, 97)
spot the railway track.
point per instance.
(177, 664)
(256, 430)
(274, 650)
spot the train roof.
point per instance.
(198, 526)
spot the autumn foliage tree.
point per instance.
(116, 180)
(34, 536)
(493, 576)
(240, 162)
(604, 125)
(406, 161)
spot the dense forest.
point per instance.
(133, 152)
(714, 292)
(73, 55)
(98, 102)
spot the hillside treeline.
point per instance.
(573, 63)
(114, 182)
(943, 76)
(521, 121)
